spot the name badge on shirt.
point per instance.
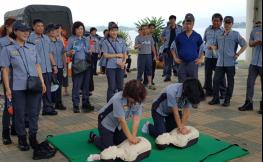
(15, 53)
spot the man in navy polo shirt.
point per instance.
(186, 53)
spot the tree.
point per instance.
(159, 23)
(126, 37)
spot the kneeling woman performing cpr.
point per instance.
(112, 119)
(171, 109)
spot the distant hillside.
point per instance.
(123, 28)
(239, 25)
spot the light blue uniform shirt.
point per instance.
(227, 45)
(102, 59)
(120, 47)
(80, 45)
(43, 50)
(57, 49)
(22, 60)
(173, 92)
(166, 34)
(210, 39)
(4, 41)
(147, 43)
(256, 34)
(110, 122)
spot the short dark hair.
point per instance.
(172, 17)
(217, 16)
(37, 21)
(144, 25)
(92, 29)
(104, 31)
(193, 91)
(151, 24)
(76, 25)
(135, 90)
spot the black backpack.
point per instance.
(44, 151)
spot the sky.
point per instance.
(126, 12)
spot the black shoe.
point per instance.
(226, 102)
(51, 113)
(13, 131)
(76, 109)
(60, 107)
(167, 80)
(214, 101)
(22, 143)
(6, 137)
(33, 141)
(90, 94)
(248, 106)
(92, 137)
(125, 75)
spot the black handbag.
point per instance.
(34, 83)
(80, 66)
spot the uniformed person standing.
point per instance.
(102, 62)
(94, 48)
(113, 117)
(187, 50)
(152, 28)
(227, 44)
(255, 68)
(24, 61)
(115, 51)
(172, 107)
(48, 63)
(78, 49)
(58, 51)
(211, 55)
(6, 117)
(167, 37)
(146, 46)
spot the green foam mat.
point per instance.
(75, 148)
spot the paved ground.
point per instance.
(243, 128)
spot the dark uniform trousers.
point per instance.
(210, 66)
(219, 76)
(253, 72)
(26, 102)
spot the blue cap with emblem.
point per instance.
(20, 26)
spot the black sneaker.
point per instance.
(226, 102)
(214, 101)
(76, 109)
(33, 141)
(167, 80)
(92, 137)
(248, 106)
(6, 137)
(22, 143)
(50, 113)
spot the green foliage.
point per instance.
(126, 37)
(159, 23)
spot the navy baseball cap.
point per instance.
(20, 26)
(51, 27)
(229, 19)
(112, 25)
(189, 17)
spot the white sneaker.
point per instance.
(145, 128)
